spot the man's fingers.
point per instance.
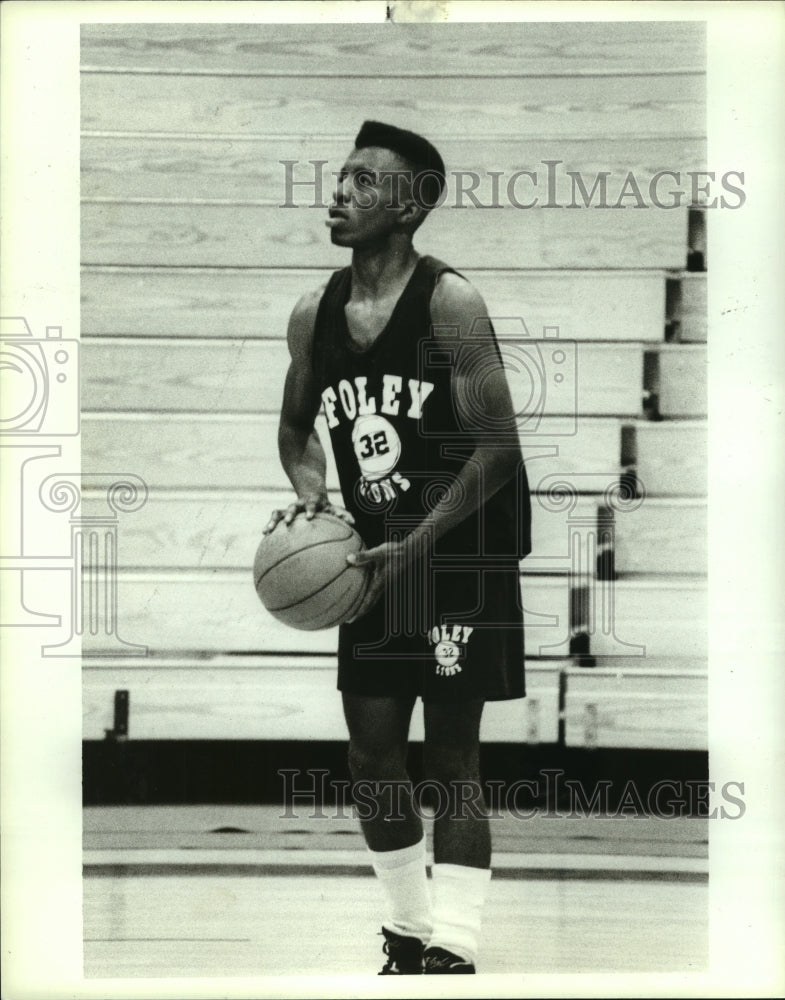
(341, 512)
(275, 518)
(311, 505)
(371, 560)
(291, 512)
(344, 514)
(366, 557)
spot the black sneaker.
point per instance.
(439, 961)
(404, 955)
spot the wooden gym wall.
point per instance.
(191, 267)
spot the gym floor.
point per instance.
(241, 891)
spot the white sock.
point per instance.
(403, 878)
(458, 896)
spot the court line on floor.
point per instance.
(507, 864)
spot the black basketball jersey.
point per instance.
(396, 433)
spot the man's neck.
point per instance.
(380, 271)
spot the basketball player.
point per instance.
(397, 351)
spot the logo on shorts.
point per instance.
(449, 642)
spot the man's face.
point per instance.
(369, 197)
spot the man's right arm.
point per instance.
(299, 447)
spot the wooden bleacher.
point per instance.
(191, 267)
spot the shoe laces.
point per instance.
(389, 966)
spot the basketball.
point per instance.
(301, 574)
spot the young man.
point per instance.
(398, 351)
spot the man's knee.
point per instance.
(453, 780)
(372, 762)
(451, 751)
(451, 762)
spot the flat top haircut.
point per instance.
(422, 155)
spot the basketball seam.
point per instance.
(352, 608)
(324, 620)
(307, 597)
(325, 541)
(361, 596)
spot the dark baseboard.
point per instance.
(198, 772)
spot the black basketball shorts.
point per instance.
(455, 638)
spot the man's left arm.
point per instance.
(485, 412)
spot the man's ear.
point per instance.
(411, 214)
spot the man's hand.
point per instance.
(384, 563)
(309, 504)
